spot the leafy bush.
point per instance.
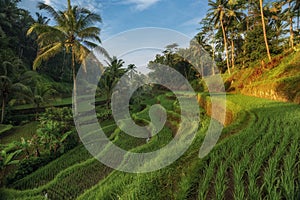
(56, 131)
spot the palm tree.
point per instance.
(112, 74)
(264, 28)
(219, 11)
(297, 10)
(289, 13)
(8, 14)
(73, 33)
(7, 89)
(41, 19)
(131, 70)
(12, 66)
(40, 94)
(234, 25)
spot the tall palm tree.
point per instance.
(289, 14)
(218, 12)
(264, 28)
(234, 25)
(73, 33)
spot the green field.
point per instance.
(260, 160)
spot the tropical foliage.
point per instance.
(254, 29)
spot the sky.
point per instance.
(120, 16)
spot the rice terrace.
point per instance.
(138, 99)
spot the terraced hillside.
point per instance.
(257, 157)
(277, 80)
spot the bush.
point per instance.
(56, 131)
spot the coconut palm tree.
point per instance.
(111, 76)
(234, 25)
(73, 32)
(219, 11)
(264, 28)
(297, 11)
(289, 14)
(8, 13)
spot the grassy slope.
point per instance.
(277, 80)
(248, 164)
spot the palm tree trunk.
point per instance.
(291, 33)
(298, 19)
(291, 27)
(232, 54)
(264, 29)
(74, 83)
(213, 55)
(225, 46)
(2, 110)
(69, 5)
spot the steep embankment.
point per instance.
(277, 80)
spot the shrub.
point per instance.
(56, 131)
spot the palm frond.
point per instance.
(103, 51)
(43, 56)
(50, 10)
(89, 31)
(92, 18)
(89, 44)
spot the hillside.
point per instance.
(277, 80)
